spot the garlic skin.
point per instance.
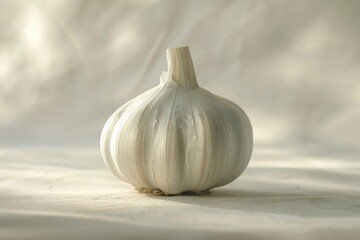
(177, 136)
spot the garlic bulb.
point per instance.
(177, 137)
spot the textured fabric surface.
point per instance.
(293, 66)
(69, 194)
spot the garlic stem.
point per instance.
(181, 66)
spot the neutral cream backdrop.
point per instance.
(294, 66)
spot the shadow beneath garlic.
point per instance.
(321, 204)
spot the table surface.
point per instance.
(69, 194)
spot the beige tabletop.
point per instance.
(69, 194)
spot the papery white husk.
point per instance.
(177, 137)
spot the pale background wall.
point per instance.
(293, 66)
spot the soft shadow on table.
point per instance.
(322, 204)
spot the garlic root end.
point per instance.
(158, 192)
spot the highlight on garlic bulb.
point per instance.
(177, 137)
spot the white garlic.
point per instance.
(177, 137)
